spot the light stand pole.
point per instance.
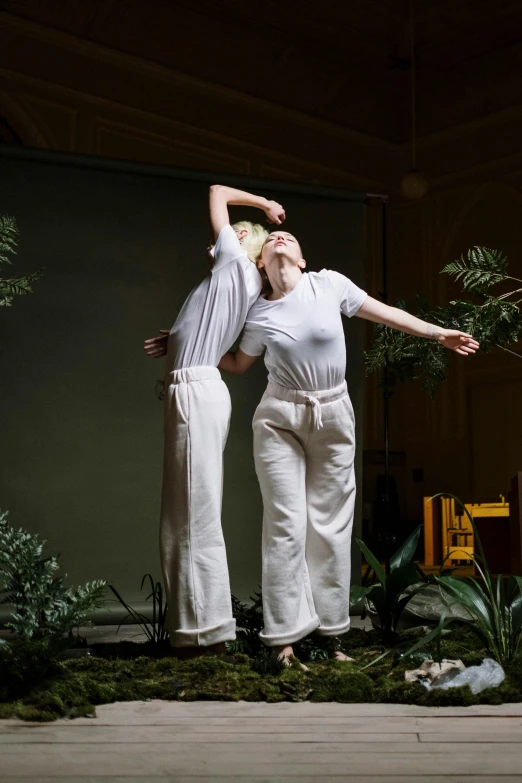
(386, 535)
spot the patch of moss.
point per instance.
(341, 682)
(74, 687)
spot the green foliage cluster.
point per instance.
(154, 628)
(44, 610)
(495, 321)
(495, 607)
(12, 286)
(395, 586)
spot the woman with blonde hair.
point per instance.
(197, 416)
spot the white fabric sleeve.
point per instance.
(351, 297)
(250, 341)
(227, 248)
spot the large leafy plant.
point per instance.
(495, 321)
(495, 605)
(12, 286)
(395, 584)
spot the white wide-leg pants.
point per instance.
(193, 556)
(304, 446)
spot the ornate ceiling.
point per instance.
(345, 61)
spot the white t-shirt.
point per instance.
(302, 333)
(213, 315)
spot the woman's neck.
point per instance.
(283, 281)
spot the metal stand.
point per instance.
(387, 536)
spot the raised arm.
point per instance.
(378, 312)
(237, 363)
(221, 196)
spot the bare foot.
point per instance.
(188, 653)
(285, 654)
(216, 649)
(337, 655)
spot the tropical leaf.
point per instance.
(400, 579)
(357, 593)
(470, 596)
(372, 561)
(406, 552)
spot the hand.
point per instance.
(275, 213)
(157, 346)
(460, 342)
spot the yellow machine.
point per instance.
(448, 534)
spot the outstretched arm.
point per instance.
(237, 363)
(378, 312)
(221, 196)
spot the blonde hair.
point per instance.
(253, 242)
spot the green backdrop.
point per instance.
(81, 427)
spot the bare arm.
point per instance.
(221, 196)
(237, 363)
(378, 312)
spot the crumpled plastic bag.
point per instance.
(431, 672)
(488, 675)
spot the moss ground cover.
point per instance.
(121, 672)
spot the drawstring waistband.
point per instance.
(315, 399)
(190, 374)
(317, 414)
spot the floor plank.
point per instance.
(172, 742)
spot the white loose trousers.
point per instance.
(193, 556)
(304, 446)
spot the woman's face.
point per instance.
(280, 246)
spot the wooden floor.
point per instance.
(200, 742)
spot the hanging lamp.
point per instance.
(413, 185)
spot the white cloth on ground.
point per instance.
(302, 332)
(193, 556)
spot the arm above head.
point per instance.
(220, 196)
(394, 317)
(236, 362)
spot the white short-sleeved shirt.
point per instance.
(302, 333)
(213, 315)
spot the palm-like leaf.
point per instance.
(479, 269)
(372, 561)
(406, 552)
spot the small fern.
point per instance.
(11, 287)
(479, 269)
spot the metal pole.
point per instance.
(386, 401)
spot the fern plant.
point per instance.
(495, 321)
(12, 286)
(44, 609)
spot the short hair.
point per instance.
(253, 243)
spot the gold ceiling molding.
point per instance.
(23, 124)
(102, 125)
(162, 73)
(255, 151)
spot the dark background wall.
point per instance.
(81, 425)
(303, 92)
